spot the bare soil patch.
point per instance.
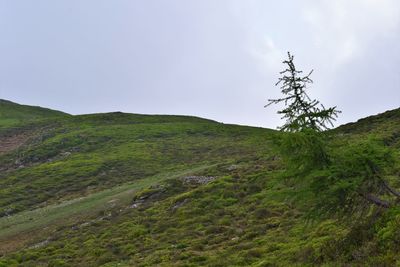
(11, 142)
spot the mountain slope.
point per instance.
(137, 190)
(14, 114)
(388, 119)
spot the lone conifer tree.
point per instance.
(300, 111)
(344, 179)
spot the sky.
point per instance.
(214, 59)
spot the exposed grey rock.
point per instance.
(232, 167)
(40, 244)
(66, 154)
(198, 179)
(179, 204)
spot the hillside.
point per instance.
(13, 114)
(121, 189)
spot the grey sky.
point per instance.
(214, 59)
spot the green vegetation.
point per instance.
(12, 114)
(127, 190)
(344, 179)
(83, 206)
(83, 155)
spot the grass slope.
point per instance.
(86, 154)
(83, 207)
(113, 190)
(12, 114)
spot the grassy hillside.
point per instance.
(12, 114)
(137, 190)
(89, 153)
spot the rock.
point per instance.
(232, 167)
(84, 224)
(66, 154)
(148, 197)
(40, 244)
(135, 205)
(179, 204)
(198, 179)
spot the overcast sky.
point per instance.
(214, 59)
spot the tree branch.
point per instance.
(375, 200)
(390, 190)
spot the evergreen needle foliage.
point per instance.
(300, 111)
(344, 179)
